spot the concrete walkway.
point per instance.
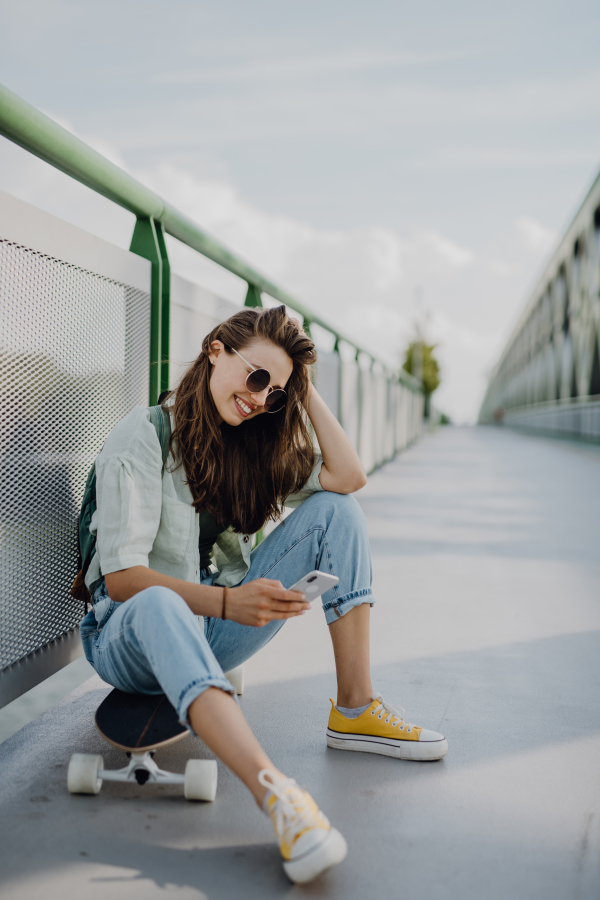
(487, 569)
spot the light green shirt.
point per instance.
(146, 518)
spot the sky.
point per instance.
(391, 164)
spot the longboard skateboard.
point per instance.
(140, 724)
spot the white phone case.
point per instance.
(314, 584)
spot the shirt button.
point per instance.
(246, 538)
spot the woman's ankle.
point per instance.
(259, 791)
(353, 698)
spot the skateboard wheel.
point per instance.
(82, 777)
(236, 677)
(200, 779)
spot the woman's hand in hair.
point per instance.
(259, 602)
(342, 470)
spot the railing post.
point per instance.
(145, 242)
(313, 370)
(165, 312)
(359, 384)
(253, 296)
(374, 398)
(340, 405)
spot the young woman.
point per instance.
(174, 542)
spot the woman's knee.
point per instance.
(343, 505)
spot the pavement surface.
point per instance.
(487, 627)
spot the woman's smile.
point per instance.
(243, 408)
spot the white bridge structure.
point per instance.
(548, 377)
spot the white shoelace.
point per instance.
(291, 812)
(391, 712)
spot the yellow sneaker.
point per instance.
(307, 842)
(381, 729)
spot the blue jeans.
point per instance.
(153, 644)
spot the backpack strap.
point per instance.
(161, 420)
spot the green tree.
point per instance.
(420, 361)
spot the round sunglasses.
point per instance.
(257, 380)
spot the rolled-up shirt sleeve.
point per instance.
(311, 487)
(129, 501)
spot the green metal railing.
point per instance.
(29, 128)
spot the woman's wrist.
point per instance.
(211, 605)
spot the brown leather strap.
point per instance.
(223, 613)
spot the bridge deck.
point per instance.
(487, 571)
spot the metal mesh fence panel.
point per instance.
(74, 357)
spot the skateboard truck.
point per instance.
(141, 768)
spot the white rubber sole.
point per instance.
(417, 750)
(331, 851)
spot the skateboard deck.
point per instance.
(138, 723)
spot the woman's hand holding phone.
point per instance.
(259, 602)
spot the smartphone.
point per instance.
(314, 584)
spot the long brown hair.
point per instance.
(242, 474)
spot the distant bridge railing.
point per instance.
(87, 332)
(548, 377)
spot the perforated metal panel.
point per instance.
(74, 357)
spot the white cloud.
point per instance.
(536, 235)
(448, 250)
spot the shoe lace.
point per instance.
(293, 811)
(394, 715)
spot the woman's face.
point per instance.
(232, 398)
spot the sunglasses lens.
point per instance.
(257, 381)
(275, 401)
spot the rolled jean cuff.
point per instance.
(335, 609)
(194, 689)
